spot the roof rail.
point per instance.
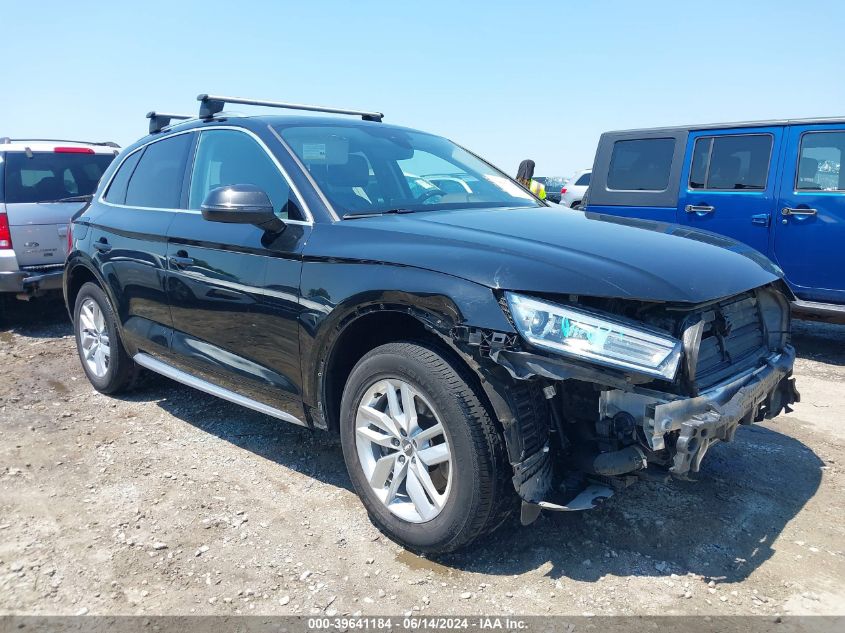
(160, 120)
(5, 139)
(212, 104)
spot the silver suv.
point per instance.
(42, 184)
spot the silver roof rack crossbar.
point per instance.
(160, 120)
(5, 139)
(212, 104)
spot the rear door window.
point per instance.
(739, 161)
(819, 162)
(157, 180)
(50, 176)
(641, 164)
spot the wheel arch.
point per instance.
(377, 325)
(78, 272)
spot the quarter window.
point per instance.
(731, 162)
(229, 157)
(157, 179)
(117, 189)
(819, 162)
(583, 181)
(641, 164)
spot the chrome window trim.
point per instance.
(305, 171)
(713, 138)
(795, 189)
(198, 130)
(102, 197)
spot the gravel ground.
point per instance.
(168, 501)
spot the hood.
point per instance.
(558, 250)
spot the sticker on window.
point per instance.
(314, 152)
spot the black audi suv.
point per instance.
(477, 350)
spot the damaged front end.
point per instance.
(579, 430)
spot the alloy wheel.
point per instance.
(94, 338)
(403, 450)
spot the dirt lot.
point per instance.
(172, 502)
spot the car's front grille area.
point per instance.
(732, 340)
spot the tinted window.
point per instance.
(583, 181)
(731, 162)
(52, 175)
(819, 162)
(700, 161)
(641, 165)
(117, 188)
(157, 180)
(366, 168)
(229, 157)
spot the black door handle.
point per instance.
(180, 260)
(102, 245)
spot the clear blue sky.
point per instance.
(510, 80)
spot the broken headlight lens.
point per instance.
(590, 337)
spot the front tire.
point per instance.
(422, 450)
(104, 359)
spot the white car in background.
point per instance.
(42, 184)
(574, 189)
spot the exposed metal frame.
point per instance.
(214, 104)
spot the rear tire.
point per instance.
(472, 491)
(104, 359)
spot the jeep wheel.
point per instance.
(421, 449)
(104, 360)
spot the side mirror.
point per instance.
(241, 204)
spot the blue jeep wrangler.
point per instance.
(774, 185)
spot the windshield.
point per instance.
(366, 169)
(50, 176)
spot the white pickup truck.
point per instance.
(42, 184)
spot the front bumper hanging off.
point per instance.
(686, 427)
(715, 415)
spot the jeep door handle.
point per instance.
(102, 245)
(790, 211)
(699, 208)
(180, 261)
(761, 219)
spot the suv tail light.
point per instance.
(562, 190)
(5, 233)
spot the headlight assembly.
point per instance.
(583, 335)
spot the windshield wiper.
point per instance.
(374, 214)
(85, 198)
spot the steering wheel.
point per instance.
(428, 195)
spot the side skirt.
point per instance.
(148, 362)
